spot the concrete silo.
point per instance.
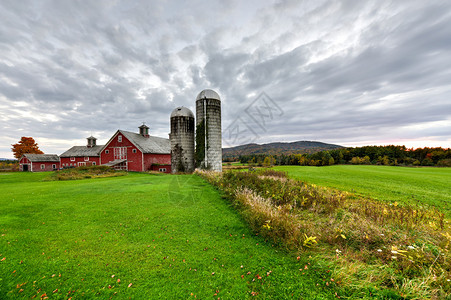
(182, 140)
(208, 131)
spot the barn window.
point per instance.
(134, 150)
(72, 159)
(162, 169)
(42, 166)
(93, 163)
(107, 151)
(119, 138)
(54, 167)
(120, 153)
(86, 158)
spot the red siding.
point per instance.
(156, 161)
(24, 161)
(67, 162)
(134, 160)
(48, 166)
(161, 168)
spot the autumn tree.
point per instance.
(24, 146)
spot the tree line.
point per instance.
(368, 155)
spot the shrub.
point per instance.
(444, 163)
(85, 172)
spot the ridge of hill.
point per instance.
(277, 148)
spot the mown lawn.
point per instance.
(141, 237)
(418, 186)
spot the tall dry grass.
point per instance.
(371, 244)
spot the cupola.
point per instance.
(91, 141)
(144, 130)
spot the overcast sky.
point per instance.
(351, 73)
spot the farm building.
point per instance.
(78, 156)
(39, 162)
(137, 151)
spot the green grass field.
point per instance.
(141, 237)
(418, 186)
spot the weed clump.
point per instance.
(85, 172)
(405, 247)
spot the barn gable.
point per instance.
(135, 151)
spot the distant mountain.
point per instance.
(277, 148)
(11, 159)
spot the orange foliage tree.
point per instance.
(25, 145)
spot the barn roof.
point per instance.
(114, 162)
(83, 151)
(151, 144)
(42, 157)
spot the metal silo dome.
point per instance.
(182, 111)
(208, 94)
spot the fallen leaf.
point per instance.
(130, 284)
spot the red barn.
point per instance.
(137, 152)
(39, 162)
(78, 156)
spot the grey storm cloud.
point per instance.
(346, 72)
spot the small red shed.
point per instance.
(137, 152)
(39, 162)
